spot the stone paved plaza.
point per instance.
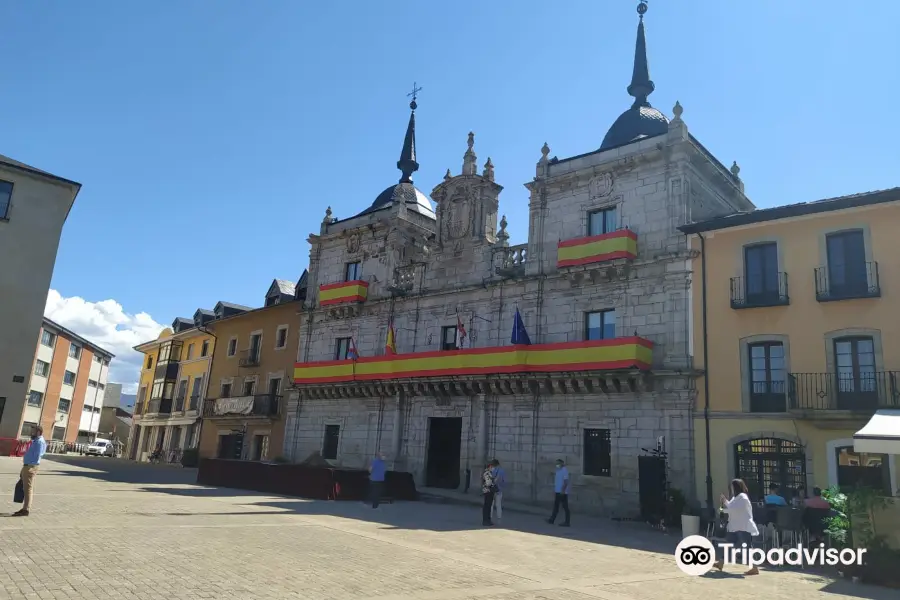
(102, 528)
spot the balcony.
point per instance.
(742, 296)
(345, 292)
(511, 260)
(621, 243)
(619, 354)
(262, 405)
(847, 283)
(249, 358)
(159, 407)
(861, 392)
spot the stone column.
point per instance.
(140, 443)
(397, 432)
(482, 431)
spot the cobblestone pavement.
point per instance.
(102, 528)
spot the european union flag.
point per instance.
(519, 334)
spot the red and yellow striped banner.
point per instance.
(599, 355)
(345, 291)
(597, 248)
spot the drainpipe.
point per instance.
(709, 491)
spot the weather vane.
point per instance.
(414, 93)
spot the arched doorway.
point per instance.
(763, 461)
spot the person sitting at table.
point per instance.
(817, 501)
(773, 498)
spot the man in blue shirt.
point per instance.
(561, 487)
(773, 497)
(31, 461)
(376, 479)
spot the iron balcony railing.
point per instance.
(863, 391)
(847, 282)
(249, 358)
(261, 405)
(159, 407)
(756, 293)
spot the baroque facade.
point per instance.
(602, 287)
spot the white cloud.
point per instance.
(107, 325)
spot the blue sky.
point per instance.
(210, 136)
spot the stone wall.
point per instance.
(525, 436)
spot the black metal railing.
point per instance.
(195, 403)
(847, 282)
(159, 407)
(844, 391)
(261, 405)
(756, 294)
(249, 358)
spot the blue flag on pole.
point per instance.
(519, 333)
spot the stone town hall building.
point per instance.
(603, 290)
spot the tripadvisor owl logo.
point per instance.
(695, 555)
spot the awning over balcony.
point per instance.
(600, 355)
(343, 292)
(597, 248)
(880, 435)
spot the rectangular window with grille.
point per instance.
(64, 405)
(69, 378)
(598, 452)
(28, 429)
(35, 398)
(59, 433)
(330, 443)
(41, 368)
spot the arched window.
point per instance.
(764, 461)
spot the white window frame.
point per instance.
(223, 383)
(255, 380)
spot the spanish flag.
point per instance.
(391, 346)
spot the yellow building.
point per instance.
(796, 329)
(251, 372)
(173, 382)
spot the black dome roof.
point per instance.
(635, 123)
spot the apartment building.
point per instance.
(796, 333)
(251, 374)
(34, 206)
(66, 387)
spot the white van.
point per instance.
(100, 447)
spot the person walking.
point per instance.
(489, 489)
(561, 486)
(30, 463)
(376, 479)
(499, 483)
(741, 526)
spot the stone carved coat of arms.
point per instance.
(601, 186)
(456, 221)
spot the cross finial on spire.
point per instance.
(641, 84)
(407, 163)
(414, 94)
